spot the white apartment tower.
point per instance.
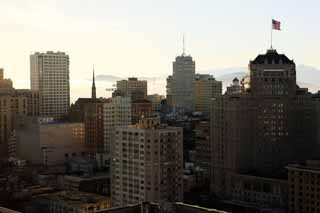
(116, 112)
(148, 163)
(49, 74)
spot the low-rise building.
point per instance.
(252, 191)
(161, 208)
(97, 183)
(48, 143)
(64, 201)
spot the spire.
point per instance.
(93, 88)
(184, 46)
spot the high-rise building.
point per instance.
(206, 88)
(148, 163)
(261, 129)
(303, 187)
(49, 73)
(134, 88)
(116, 112)
(183, 83)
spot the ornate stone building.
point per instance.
(261, 129)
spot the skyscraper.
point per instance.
(148, 163)
(183, 83)
(49, 73)
(263, 127)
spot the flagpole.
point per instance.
(271, 34)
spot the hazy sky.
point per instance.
(142, 37)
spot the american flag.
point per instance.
(276, 24)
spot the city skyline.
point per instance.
(108, 33)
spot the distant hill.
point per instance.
(307, 76)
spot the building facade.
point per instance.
(141, 108)
(182, 83)
(14, 102)
(134, 88)
(206, 88)
(234, 87)
(261, 129)
(116, 112)
(202, 146)
(148, 163)
(303, 187)
(42, 141)
(49, 75)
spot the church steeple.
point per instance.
(93, 88)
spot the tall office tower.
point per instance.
(134, 88)
(206, 88)
(265, 126)
(50, 76)
(116, 112)
(148, 163)
(183, 83)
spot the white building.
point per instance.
(49, 74)
(116, 112)
(148, 163)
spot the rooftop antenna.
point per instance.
(184, 46)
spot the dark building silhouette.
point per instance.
(260, 129)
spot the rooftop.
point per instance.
(272, 57)
(309, 165)
(74, 198)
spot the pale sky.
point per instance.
(142, 37)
